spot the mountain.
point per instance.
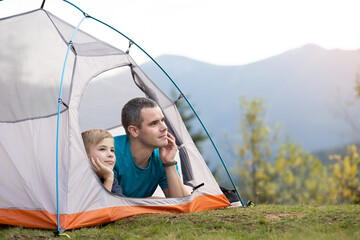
(306, 89)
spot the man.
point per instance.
(146, 153)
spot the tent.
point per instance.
(46, 180)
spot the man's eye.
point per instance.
(102, 149)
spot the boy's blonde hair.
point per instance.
(94, 136)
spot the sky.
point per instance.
(226, 32)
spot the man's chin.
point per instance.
(163, 143)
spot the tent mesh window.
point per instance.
(99, 108)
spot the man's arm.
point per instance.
(167, 154)
(175, 186)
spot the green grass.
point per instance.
(260, 222)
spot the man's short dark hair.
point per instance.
(131, 112)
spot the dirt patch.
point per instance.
(274, 217)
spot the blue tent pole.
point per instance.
(197, 116)
(57, 124)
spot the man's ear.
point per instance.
(133, 130)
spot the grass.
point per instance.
(260, 222)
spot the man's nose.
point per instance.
(163, 126)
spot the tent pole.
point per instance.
(43, 3)
(57, 127)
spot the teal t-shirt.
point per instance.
(135, 181)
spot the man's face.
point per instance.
(105, 151)
(153, 131)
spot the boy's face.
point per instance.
(104, 151)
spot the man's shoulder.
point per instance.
(120, 139)
(121, 145)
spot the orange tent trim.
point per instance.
(43, 219)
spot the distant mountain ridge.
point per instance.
(301, 86)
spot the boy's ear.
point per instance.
(133, 130)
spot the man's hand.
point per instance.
(167, 153)
(175, 186)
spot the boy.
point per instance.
(99, 145)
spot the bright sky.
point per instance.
(226, 32)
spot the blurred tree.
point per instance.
(345, 177)
(255, 149)
(292, 176)
(347, 109)
(298, 177)
(188, 116)
(357, 85)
